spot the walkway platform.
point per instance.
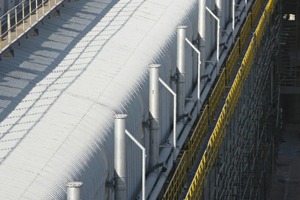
(19, 20)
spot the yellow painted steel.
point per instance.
(256, 8)
(215, 141)
(260, 29)
(249, 57)
(178, 180)
(232, 61)
(270, 7)
(209, 157)
(216, 96)
(245, 32)
(197, 137)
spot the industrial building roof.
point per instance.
(59, 93)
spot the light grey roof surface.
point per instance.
(59, 93)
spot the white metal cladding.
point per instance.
(61, 90)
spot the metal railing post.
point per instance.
(36, 10)
(143, 163)
(174, 116)
(198, 75)
(30, 10)
(43, 7)
(218, 32)
(23, 14)
(8, 27)
(16, 21)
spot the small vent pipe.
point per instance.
(120, 157)
(181, 33)
(154, 115)
(73, 190)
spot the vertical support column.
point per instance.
(120, 157)
(181, 34)
(154, 115)
(8, 27)
(202, 35)
(23, 15)
(73, 190)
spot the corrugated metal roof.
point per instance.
(59, 93)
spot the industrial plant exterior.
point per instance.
(145, 99)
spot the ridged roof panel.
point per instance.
(59, 93)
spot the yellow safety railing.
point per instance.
(178, 180)
(232, 61)
(215, 141)
(197, 137)
(249, 57)
(260, 29)
(216, 96)
(245, 32)
(256, 9)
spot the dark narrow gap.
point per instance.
(286, 177)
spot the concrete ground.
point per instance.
(286, 180)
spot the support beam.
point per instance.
(154, 115)
(181, 34)
(120, 157)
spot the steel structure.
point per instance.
(63, 89)
(238, 159)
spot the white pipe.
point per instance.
(202, 34)
(36, 10)
(73, 190)
(233, 16)
(199, 73)
(8, 27)
(154, 115)
(30, 11)
(120, 157)
(181, 32)
(143, 162)
(219, 13)
(174, 116)
(218, 32)
(155, 182)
